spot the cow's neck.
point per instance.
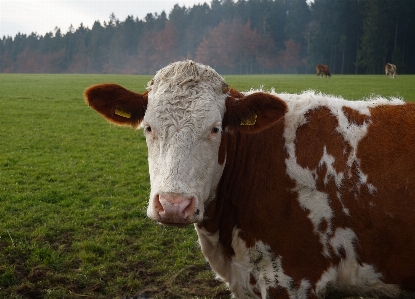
(254, 166)
(257, 205)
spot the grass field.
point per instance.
(73, 192)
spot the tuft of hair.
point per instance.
(186, 73)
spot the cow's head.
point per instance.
(184, 113)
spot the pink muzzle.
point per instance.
(174, 209)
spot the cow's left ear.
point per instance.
(253, 113)
(118, 105)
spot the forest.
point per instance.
(234, 37)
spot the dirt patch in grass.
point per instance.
(29, 291)
(193, 281)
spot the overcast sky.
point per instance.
(42, 16)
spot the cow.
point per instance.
(291, 195)
(390, 70)
(322, 69)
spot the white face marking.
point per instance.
(183, 132)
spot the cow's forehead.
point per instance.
(184, 77)
(186, 90)
(182, 72)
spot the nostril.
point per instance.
(190, 209)
(158, 207)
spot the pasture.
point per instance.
(74, 191)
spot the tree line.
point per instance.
(234, 37)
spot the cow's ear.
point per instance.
(253, 113)
(117, 104)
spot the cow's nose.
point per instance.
(174, 208)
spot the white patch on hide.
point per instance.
(328, 161)
(317, 203)
(258, 261)
(212, 249)
(350, 276)
(344, 209)
(265, 267)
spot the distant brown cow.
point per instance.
(390, 70)
(322, 69)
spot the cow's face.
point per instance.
(183, 129)
(184, 114)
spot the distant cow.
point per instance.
(322, 69)
(292, 195)
(390, 70)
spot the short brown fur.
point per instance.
(322, 69)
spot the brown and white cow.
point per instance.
(390, 70)
(322, 69)
(292, 195)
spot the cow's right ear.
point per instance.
(118, 105)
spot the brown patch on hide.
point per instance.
(354, 117)
(380, 210)
(255, 195)
(341, 252)
(252, 280)
(253, 283)
(278, 292)
(222, 149)
(235, 94)
(387, 157)
(317, 133)
(323, 226)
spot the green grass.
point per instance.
(74, 191)
(352, 87)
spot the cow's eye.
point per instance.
(215, 130)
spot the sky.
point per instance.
(42, 16)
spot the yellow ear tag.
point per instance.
(249, 121)
(122, 113)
